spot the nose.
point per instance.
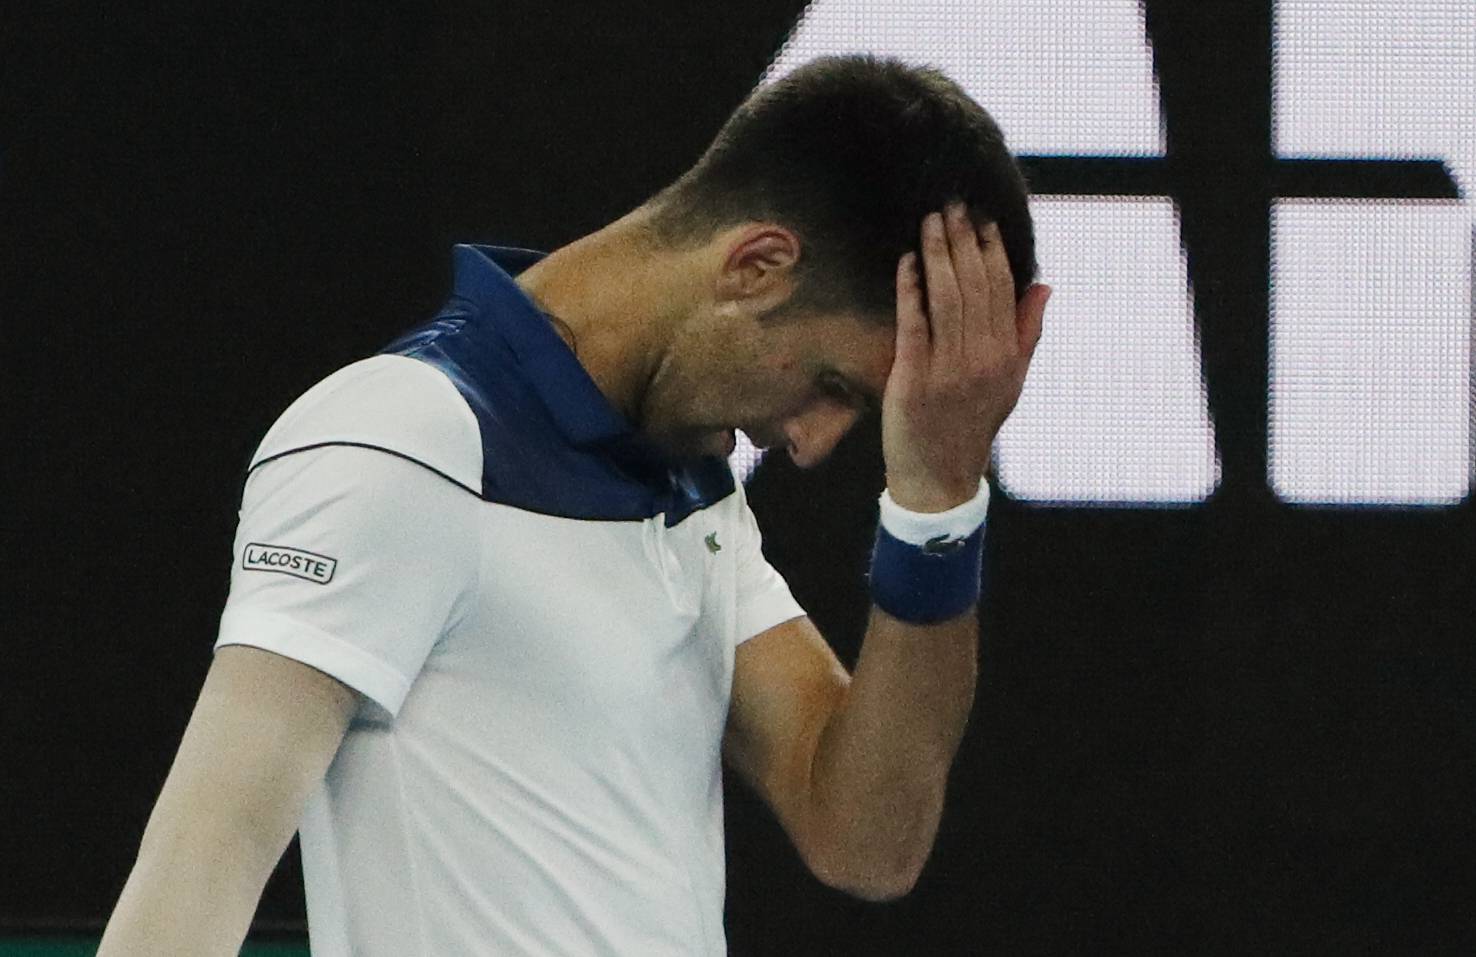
(813, 434)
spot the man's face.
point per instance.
(797, 383)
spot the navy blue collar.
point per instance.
(551, 441)
(483, 275)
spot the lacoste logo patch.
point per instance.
(712, 543)
(942, 545)
(289, 561)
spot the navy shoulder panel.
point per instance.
(551, 443)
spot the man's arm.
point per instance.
(855, 768)
(262, 734)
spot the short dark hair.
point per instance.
(851, 152)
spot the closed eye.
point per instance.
(837, 388)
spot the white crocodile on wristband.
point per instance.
(919, 528)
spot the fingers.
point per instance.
(1031, 317)
(970, 298)
(913, 338)
(1001, 284)
(945, 301)
(970, 268)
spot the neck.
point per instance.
(615, 297)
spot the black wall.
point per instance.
(1235, 728)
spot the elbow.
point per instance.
(876, 889)
(872, 881)
(882, 892)
(877, 857)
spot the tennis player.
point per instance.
(498, 610)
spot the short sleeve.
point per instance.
(763, 596)
(352, 561)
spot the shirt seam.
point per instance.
(464, 487)
(412, 849)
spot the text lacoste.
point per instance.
(289, 561)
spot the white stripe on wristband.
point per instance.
(919, 528)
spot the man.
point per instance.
(500, 612)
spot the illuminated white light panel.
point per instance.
(745, 457)
(1370, 352)
(1060, 76)
(1375, 78)
(1114, 411)
(1371, 321)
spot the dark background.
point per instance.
(1236, 728)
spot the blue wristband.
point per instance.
(924, 584)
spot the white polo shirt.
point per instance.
(456, 532)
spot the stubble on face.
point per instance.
(755, 379)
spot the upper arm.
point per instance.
(786, 685)
(263, 732)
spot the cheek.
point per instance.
(765, 389)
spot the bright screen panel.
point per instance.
(1370, 362)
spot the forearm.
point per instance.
(881, 765)
(187, 894)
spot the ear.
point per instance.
(757, 272)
